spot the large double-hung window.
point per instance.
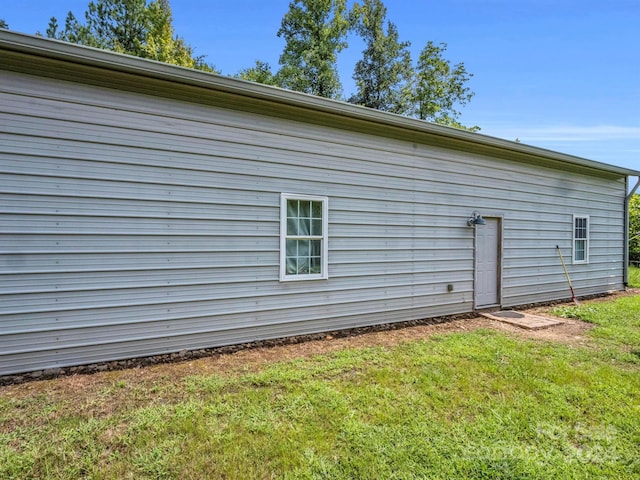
(580, 239)
(303, 237)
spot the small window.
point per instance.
(580, 239)
(303, 237)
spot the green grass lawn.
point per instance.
(634, 277)
(480, 404)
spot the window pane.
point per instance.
(303, 265)
(315, 265)
(317, 209)
(292, 208)
(316, 227)
(305, 209)
(304, 227)
(292, 226)
(316, 248)
(292, 248)
(579, 252)
(580, 228)
(292, 265)
(303, 248)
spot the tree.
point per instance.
(162, 43)
(439, 87)
(315, 32)
(383, 75)
(634, 228)
(118, 25)
(132, 27)
(52, 28)
(73, 32)
(260, 73)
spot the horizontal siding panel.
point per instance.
(547, 291)
(372, 266)
(580, 278)
(133, 208)
(126, 348)
(50, 224)
(149, 329)
(234, 172)
(222, 296)
(107, 262)
(81, 281)
(94, 189)
(388, 255)
(52, 243)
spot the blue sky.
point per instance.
(558, 74)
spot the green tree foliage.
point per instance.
(52, 28)
(260, 73)
(132, 27)
(440, 87)
(162, 43)
(634, 228)
(383, 75)
(315, 32)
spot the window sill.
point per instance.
(302, 278)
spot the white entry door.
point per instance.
(488, 241)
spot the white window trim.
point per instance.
(586, 246)
(324, 274)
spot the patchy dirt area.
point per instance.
(571, 332)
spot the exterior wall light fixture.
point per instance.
(476, 219)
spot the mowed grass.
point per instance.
(634, 277)
(618, 322)
(479, 404)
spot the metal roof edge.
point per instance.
(80, 54)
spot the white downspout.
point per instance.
(625, 275)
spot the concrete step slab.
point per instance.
(522, 320)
